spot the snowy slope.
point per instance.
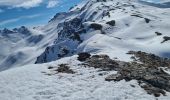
(136, 25)
(37, 82)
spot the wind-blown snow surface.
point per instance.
(34, 82)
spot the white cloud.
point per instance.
(20, 3)
(28, 3)
(52, 3)
(18, 19)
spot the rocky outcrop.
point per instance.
(158, 33)
(149, 59)
(64, 68)
(166, 38)
(69, 34)
(23, 30)
(112, 22)
(83, 56)
(96, 26)
(148, 69)
(102, 62)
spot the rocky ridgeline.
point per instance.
(148, 69)
(150, 60)
(22, 30)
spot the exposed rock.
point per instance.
(76, 36)
(64, 52)
(112, 77)
(166, 38)
(136, 15)
(106, 13)
(23, 30)
(96, 26)
(152, 90)
(146, 69)
(118, 38)
(83, 56)
(64, 68)
(101, 0)
(147, 20)
(148, 72)
(112, 22)
(103, 62)
(158, 33)
(149, 59)
(70, 27)
(6, 31)
(71, 30)
(156, 80)
(50, 67)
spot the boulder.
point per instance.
(166, 38)
(64, 68)
(96, 26)
(111, 23)
(83, 56)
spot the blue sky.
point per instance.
(15, 13)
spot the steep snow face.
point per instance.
(37, 82)
(110, 27)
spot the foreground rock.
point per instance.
(149, 60)
(155, 78)
(166, 38)
(148, 69)
(103, 62)
(64, 68)
(83, 56)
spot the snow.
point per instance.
(31, 82)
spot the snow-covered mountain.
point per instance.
(19, 46)
(110, 27)
(113, 27)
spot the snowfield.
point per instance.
(37, 82)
